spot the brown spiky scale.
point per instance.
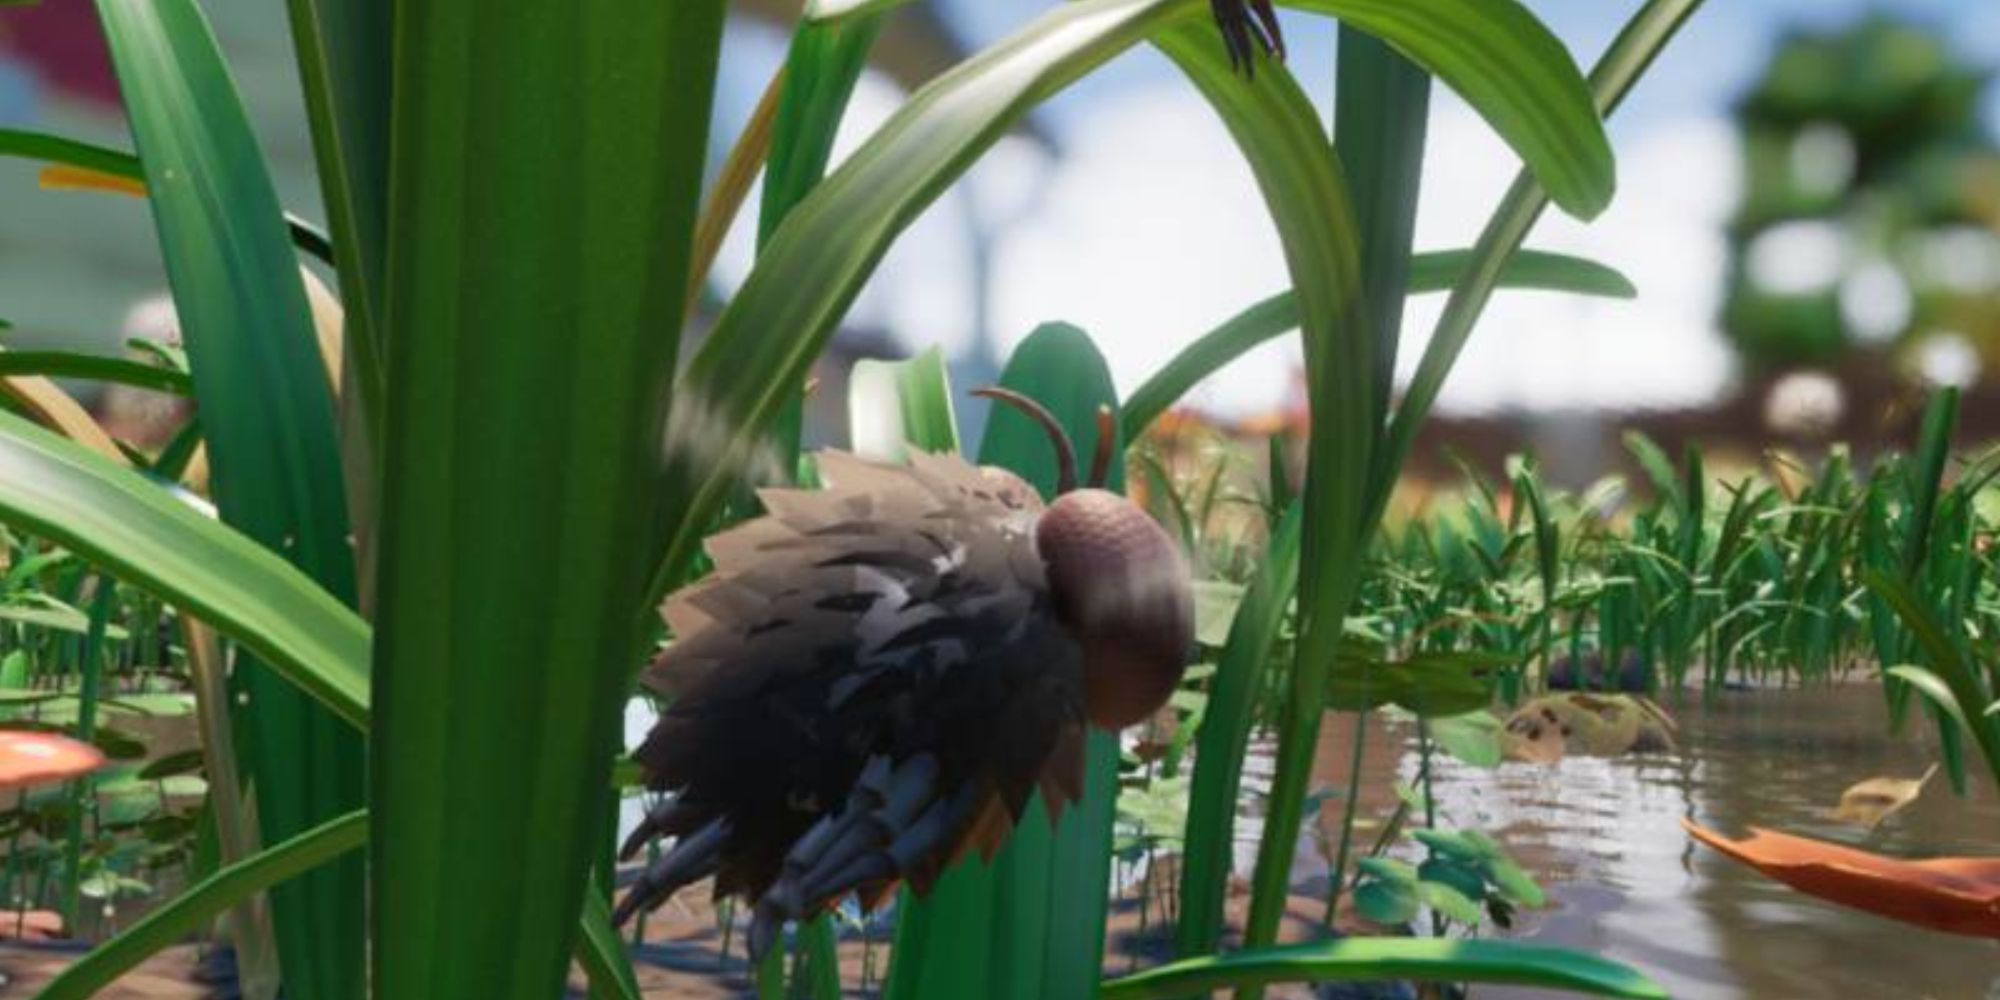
(873, 679)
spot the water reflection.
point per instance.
(1603, 836)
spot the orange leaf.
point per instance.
(1953, 895)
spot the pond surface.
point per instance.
(1603, 836)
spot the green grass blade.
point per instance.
(1510, 69)
(343, 49)
(545, 179)
(201, 903)
(1390, 959)
(1945, 658)
(1644, 36)
(819, 76)
(268, 421)
(1278, 315)
(1222, 740)
(1381, 114)
(1926, 471)
(55, 489)
(96, 368)
(601, 952)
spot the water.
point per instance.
(1604, 838)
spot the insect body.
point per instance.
(879, 674)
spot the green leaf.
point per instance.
(201, 903)
(1278, 315)
(1451, 902)
(55, 489)
(1390, 903)
(545, 178)
(1387, 960)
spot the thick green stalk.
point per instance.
(545, 178)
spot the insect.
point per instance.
(878, 675)
(1246, 26)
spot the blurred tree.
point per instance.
(1869, 227)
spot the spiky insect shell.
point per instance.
(878, 675)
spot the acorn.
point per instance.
(878, 675)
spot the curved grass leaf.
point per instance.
(1495, 54)
(55, 489)
(1390, 959)
(96, 368)
(1279, 315)
(1511, 68)
(201, 903)
(1277, 130)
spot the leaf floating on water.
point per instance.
(1868, 803)
(1546, 729)
(1952, 895)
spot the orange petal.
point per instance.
(31, 758)
(1953, 895)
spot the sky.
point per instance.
(1147, 230)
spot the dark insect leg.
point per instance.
(1246, 26)
(852, 848)
(660, 821)
(693, 858)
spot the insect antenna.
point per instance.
(1107, 440)
(1065, 451)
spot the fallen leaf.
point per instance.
(1952, 895)
(1870, 802)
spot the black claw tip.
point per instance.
(1248, 25)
